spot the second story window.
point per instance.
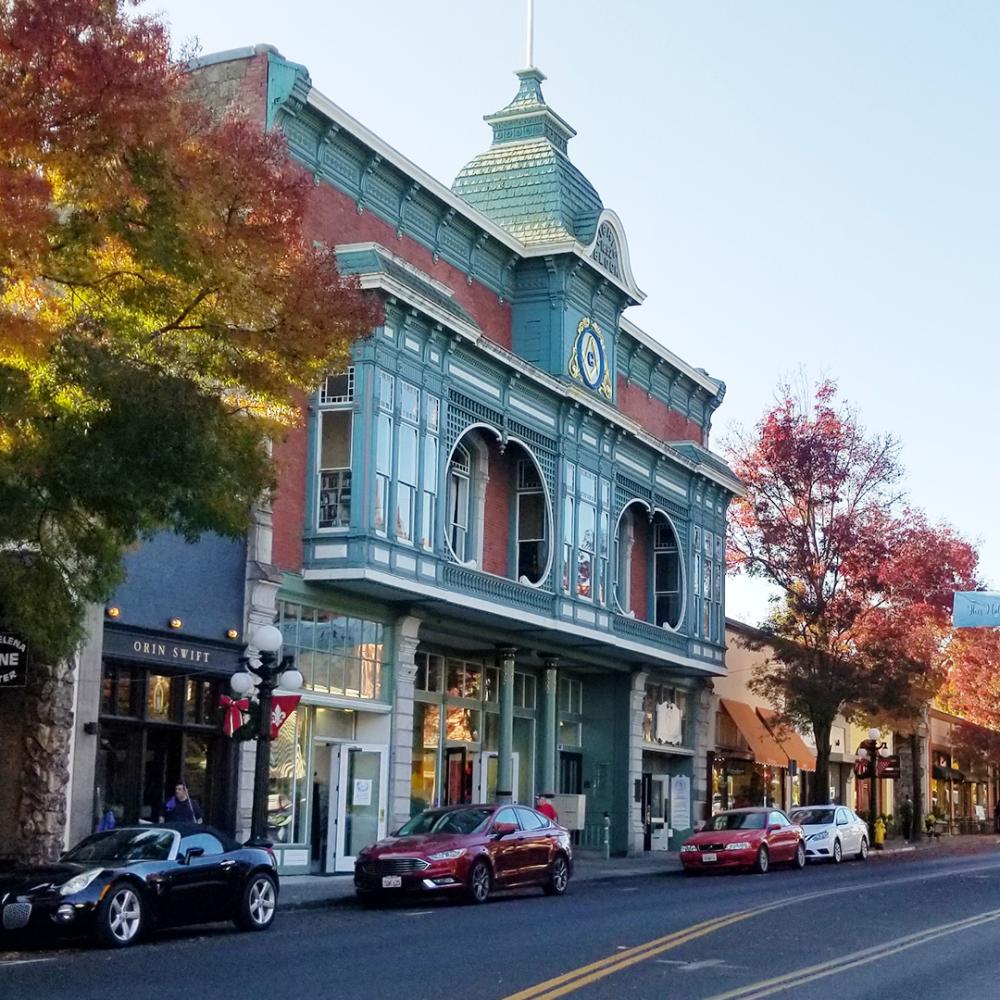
(459, 475)
(383, 450)
(532, 540)
(407, 461)
(336, 425)
(666, 575)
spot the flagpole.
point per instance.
(530, 45)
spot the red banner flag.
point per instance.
(282, 706)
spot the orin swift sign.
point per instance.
(13, 660)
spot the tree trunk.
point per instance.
(821, 786)
(916, 766)
(48, 731)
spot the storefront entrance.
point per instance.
(358, 814)
(471, 776)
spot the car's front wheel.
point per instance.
(838, 852)
(762, 862)
(558, 877)
(799, 861)
(480, 882)
(258, 903)
(863, 853)
(120, 917)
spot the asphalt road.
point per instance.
(911, 926)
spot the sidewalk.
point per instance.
(301, 892)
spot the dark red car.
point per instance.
(745, 838)
(467, 850)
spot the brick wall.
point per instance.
(240, 84)
(639, 581)
(288, 511)
(332, 217)
(656, 417)
(498, 512)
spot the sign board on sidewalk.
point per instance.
(976, 609)
(13, 660)
(680, 802)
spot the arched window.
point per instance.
(532, 533)
(459, 475)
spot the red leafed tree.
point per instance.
(973, 688)
(161, 314)
(823, 521)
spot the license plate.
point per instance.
(710, 857)
(392, 882)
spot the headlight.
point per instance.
(688, 848)
(446, 855)
(79, 882)
(738, 845)
(822, 835)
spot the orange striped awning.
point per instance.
(762, 742)
(789, 740)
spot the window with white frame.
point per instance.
(459, 480)
(383, 450)
(706, 589)
(407, 460)
(336, 426)
(429, 472)
(586, 531)
(666, 574)
(532, 535)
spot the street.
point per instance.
(910, 925)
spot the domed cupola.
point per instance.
(525, 181)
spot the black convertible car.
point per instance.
(120, 883)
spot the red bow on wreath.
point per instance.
(234, 713)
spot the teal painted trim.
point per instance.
(282, 76)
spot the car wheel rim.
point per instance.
(124, 915)
(837, 851)
(559, 875)
(762, 861)
(864, 848)
(262, 901)
(800, 856)
(480, 882)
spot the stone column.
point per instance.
(505, 758)
(636, 826)
(550, 725)
(703, 740)
(404, 644)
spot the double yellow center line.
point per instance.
(586, 974)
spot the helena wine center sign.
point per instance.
(13, 660)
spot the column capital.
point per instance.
(507, 653)
(551, 662)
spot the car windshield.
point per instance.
(123, 846)
(452, 821)
(813, 817)
(737, 821)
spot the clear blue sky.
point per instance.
(804, 185)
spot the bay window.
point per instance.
(336, 425)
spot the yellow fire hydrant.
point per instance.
(879, 832)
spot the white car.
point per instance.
(832, 832)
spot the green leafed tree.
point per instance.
(161, 314)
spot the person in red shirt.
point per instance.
(544, 805)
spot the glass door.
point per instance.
(359, 818)
(659, 839)
(487, 788)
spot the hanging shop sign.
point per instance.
(888, 767)
(13, 660)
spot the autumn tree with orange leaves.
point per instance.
(160, 313)
(864, 582)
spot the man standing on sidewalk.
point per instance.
(906, 815)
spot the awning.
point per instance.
(762, 743)
(947, 773)
(789, 740)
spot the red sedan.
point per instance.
(467, 850)
(745, 838)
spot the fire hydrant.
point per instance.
(879, 832)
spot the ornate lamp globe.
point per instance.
(267, 639)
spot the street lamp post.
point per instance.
(871, 750)
(265, 675)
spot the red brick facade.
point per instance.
(638, 582)
(497, 515)
(655, 416)
(288, 511)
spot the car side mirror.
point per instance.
(502, 829)
(191, 852)
(773, 828)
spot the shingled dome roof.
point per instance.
(525, 182)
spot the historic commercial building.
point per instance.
(497, 542)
